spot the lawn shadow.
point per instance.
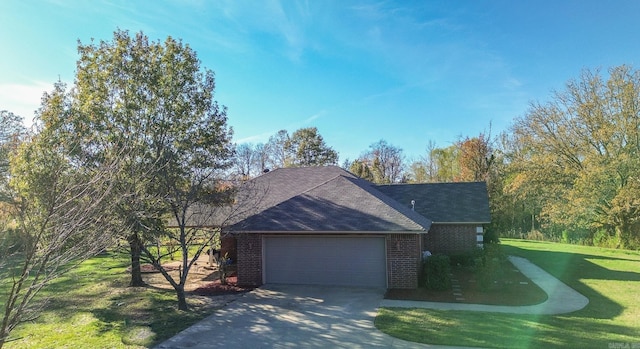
(573, 267)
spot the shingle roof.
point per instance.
(330, 199)
(327, 199)
(466, 202)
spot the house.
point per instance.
(458, 212)
(324, 225)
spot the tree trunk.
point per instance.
(3, 337)
(182, 299)
(136, 274)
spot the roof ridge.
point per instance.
(328, 180)
(391, 202)
(319, 185)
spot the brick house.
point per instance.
(325, 226)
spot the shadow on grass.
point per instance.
(571, 267)
(503, 330)
(100, 287)
(608, 278)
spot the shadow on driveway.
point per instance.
(293, 316)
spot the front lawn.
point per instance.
(92, 307)
(507, 287)
(609, 278)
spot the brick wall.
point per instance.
(249, 247)
(228, 246)
(403, 256)
(450, 238)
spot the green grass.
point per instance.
(92, 307)
(609, 278)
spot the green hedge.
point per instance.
(437, 272)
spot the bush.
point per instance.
(488, 265)
(11, 240)
(467, 259)
(491, 236)
(575, 236)
(602, 238)
(437, 272)
(535, 235)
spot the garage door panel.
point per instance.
(347, 261)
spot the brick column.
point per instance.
(249, 259)
(403, 260)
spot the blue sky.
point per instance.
(408, 72)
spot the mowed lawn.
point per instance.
(92, 307)
(609, 278)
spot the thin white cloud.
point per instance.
(248, 21)
(314, 117)
(259, 138)
(22, 99)
(512, 83)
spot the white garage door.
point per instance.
(319, 260)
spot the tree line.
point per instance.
(567, 170)
(138, 146)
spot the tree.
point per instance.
(276, 150)
(385, 161)
(418, 172)
(244, 161)
(446, 163)
(251, 160)
(261, 156)
(579, 155)
(306, 147)
(425, 169)
(58, 216)
(361, 169)
(11, 132)
(476, 158)
(152, 102)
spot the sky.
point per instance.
(407, 72)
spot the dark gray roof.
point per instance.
(461, 202)
(324, 199)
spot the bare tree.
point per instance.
(56, 217)
(276, 148)
(385, 161)
(243, 160)
(261, 157)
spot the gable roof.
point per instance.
(460, 202)
(326, 199)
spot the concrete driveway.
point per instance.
(288, 316)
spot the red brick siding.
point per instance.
(228, 246)
(450, 238)
(249, 259)
(403, 257)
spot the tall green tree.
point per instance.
(154, 103)
(579, 155)
(446, 163)
(361, 169)
(306, 147)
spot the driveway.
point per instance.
(288, 316)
